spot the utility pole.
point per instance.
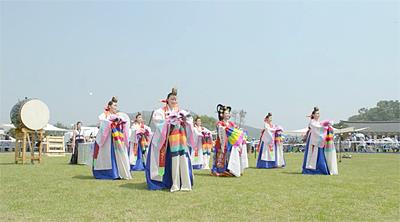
(242, 116)
(234, 115)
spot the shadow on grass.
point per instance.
(202, 175)
(83, 177)
(218, 178)
(254, 168)
(13, 163)
(135, 186)
(272, 168)
(292, 173)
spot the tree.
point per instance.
(385, 110)
(208, 122)
(340, 125)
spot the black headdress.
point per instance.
(221, 109)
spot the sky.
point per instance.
(283, 57)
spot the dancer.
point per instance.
(320, 152)
(140, 137)
(200, 154)
(227, 159)
(271, 146)
(110, 157)
(168, 163)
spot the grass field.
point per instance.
(367, 189)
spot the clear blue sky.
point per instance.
(282, 57)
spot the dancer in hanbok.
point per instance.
(270, 147)
(168, 162)
(320, 152)
(200, 154)
(110, 156)
(139, 140)
(77, 138)
(227, 160)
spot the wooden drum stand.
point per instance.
(27, 137)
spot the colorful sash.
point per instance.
(144, 142)
(162, 158)
(177, 139)
(118, 136)
(278, 137)
(207, 143)
(329, 138)
(177, 142)
(135, 152)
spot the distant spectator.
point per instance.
(77, 138)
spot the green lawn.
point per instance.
(367, 189)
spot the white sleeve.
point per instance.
(133, 135)
(102, 117)
(315, 124)
(158, 119)
(197, 132)
(269, 129)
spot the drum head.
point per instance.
(35, 114)
(126, 118)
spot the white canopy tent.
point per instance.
(299, 132)
(87, 130)
(49, 127)
(7, 126)
(302, 132)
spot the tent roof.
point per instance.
(376, 126)
(48, 127)
(302, 132)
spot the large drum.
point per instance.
(30, 113)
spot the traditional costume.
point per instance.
(110, 156)
(320, 152)
(207, 147)
(228, 151)
(200, 154)
(270, 147)
(168, 162)
(139, 141)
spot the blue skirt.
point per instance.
(139, 166)
(267, 164)
(321, 166)
(110, 174)
(198, 167)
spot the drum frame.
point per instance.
(27, 137)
